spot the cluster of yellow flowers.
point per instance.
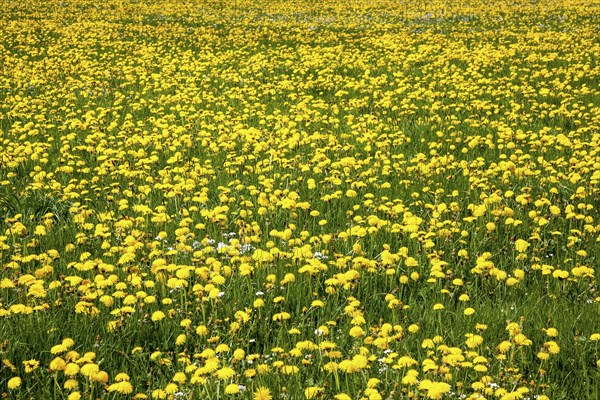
(348, 200)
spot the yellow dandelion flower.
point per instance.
(31, 365)
(552, 346)
(120, 377)
(410, 378)
(436, 390)
(14, 383)
(57, 364)
(123, 387)
(289, 369)
(543, 355)
(262, 393)
(89, 370)
(57, 349)
(201, 330)
(157, 316)
(180, 340)
(469, 311)
(239, 354)
(342, 396)
(225, 373)
(101, 377)
(473, 340)
(504, 346)
(71, 384)
(406, 361)
(373, 382)
(171, 388)
(522, 340)
(312, 391)
(232, 388)
(356, 332)
(521, 245)
(179, 377)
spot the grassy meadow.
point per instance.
(300, 199)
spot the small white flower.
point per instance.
(246, 248)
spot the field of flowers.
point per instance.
(299, 199)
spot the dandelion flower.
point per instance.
(57, 364)
(552, 347)
(71, 384)
(410, 378)
(120, 377)
(101, 377)
(289, 369)
(59, 348)
(179, 377)
(262, 393)
(202, 330)
(312, 392)
(342, 396)
(521, 245)
(180, 340)
(74, 396)
(542, 355)
(522, 340)
(473, 340)
(504, 346)
(239, 354)
(89, 370)
(225, 373)
(232, 388)
(123, 387)
(31, 365)
(14, 383)
(171, 388)
(357, 332)
(157, 316)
